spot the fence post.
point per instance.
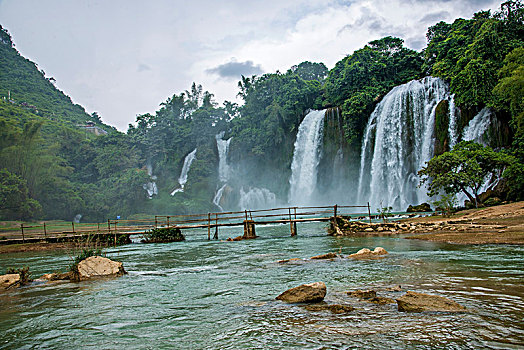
(108, 226)
(167, 221)
(45, 231)
(335, 213)
(208, 226)
(369, 213)
(73, 226)
(23, 237)
(216, 226)
(98, 227)
(246, 214)
(156, 221)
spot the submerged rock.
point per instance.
(334, 308)
(306, 293)
(10, 280)
(98, 266)
(57, 276)
(362, 294)
(418, 302)
(325, 256)
(366, 253)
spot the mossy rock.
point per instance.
(163, 235)
(421, 208)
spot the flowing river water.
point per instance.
(201, 294)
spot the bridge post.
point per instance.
(215, 236)
(293, 224)
(208, 226)
(249, 229)
(369, 213)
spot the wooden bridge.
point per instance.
(52, 231)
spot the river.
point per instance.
(201, 294)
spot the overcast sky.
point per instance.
(124, 57)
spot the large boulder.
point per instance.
(98, 266)
(10, 280)
(421, 208)
(306, 293)
(418, 302)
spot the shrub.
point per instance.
(163, 235)
(25, 275)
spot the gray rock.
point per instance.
(306, 293)
(98, 266)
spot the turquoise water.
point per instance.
(203, 294)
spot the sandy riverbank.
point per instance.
(503, 224)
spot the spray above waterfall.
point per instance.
(223, 167)
(306, 156)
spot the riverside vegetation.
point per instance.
(53, 169)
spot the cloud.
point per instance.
(143, 67)
(435, 17)
(234, 69)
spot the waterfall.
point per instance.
(218, 197)
(182, 179)
(452, 127)
(223, 149)
(256, 198)
(397, 142)
(150, 187)
(477, 127)
(306, 158)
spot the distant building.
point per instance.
(92, 128)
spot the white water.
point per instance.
(257, 198)
(452, 125)
(182, 179)
(306, 158)
(397, 142)
(150, 187)
(477, 127)
(223, 149)
(218, 197)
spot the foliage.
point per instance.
(163, 235)
(25, 274)
(463, 169)
(446, 204)
(358, 81)
(15, 202)
(384, 212)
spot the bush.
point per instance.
(163, 235)
(25, 275)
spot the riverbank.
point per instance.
(502, 224)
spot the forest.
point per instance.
(52, 168)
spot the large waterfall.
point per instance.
(223, 167)
(182, 179)
(151, 186)
(223, 148)
(397, 142)
(306, 158)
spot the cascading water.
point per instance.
(477, 127)
(182, 179)
(306, 158)
(257, 198)
(223, 166)
(397, 142)
(452, 125)
(218, 197)
(223, 149)
(151, 186)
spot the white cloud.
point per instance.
(125, 57)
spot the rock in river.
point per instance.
(418, 302)
(366, 253)
(11, 280)
(306, 293)
(98, 266)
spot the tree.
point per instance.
(464, 169)
(15, 202)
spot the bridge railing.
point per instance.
(186, 221)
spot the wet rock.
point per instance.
(362, 294)
(98, 266)
(395, 289)
(418, 302)
(424, 207)
(366, 253)
(306, 293)
(381, 300)
(334, 308)
(56, 276)
(289, 260)
(10, 280)
(325, 256)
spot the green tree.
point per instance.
(463, 169)
(15, 203)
